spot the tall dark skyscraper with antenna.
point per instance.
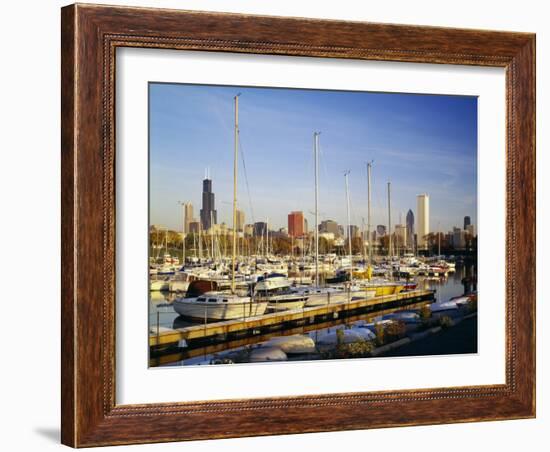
(209, 215)
(410, 229)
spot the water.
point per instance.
(448, 287)
(163, 315)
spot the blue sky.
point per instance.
(421, 143)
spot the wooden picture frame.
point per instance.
(90, 36)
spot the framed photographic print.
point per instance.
(281, 225)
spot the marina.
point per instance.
(280, 319)
(174, 340)
(248, 293)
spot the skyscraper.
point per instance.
(467, 222)
(410, 229)
(329, 226)
(209, 215)
(353, 231)
(423, 217)
(260, 228)
(459, 238)
(240, 221)
(194, 227)
(296, 224)
(400, 236)
(188, 216)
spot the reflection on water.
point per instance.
(161, 314)
(452, 285)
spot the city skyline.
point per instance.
(297, 226)
(191, 130)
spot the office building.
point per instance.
(423, 220)
(239, 217)
(400, 236)
(354, 231)
(296, 224)
(187, 216)
(329, 226)
(209, 215)
(459, 238)
(194, 227)
(410, 229)
(260, 229)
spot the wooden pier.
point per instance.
(224, 330)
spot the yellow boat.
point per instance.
(386, 289)
(364, 279)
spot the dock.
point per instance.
(229, 329)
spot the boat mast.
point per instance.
(157, 245)
(235, 194)
(346, 174)
(183, 231)
(165, 241)
(389, 222)
(369, 166)
(213, 232)
(200, 240)
(316, 158)
(438, 240)
(363, 235)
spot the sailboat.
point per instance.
(275, 288)
(362, 280)
(222, 305)
(159, 277)
(316, 294)
(381, 287)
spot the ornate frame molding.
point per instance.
(90, 37)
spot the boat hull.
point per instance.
(285, 303)
(386, 289)
(339, 296)
(195, 310)
(178, 286)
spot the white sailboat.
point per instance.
(276, 290)
(218, 306)
(316, 294)
(221, 305)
